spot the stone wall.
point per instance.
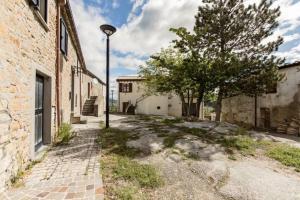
(69, 62)
(27, 47)
(283, 105)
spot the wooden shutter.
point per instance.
(35, 3)
(62, 36)
(67, 42)
(120, 87)
(130, 87)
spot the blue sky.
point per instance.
(143, 30)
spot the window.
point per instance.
(63, 38)
(125, 87)
(42, 7)
(272, 88)
(158, 107)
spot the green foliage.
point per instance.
(229, 36)
(64, 134)
(167, 72)
(145, 175)
(287, 155)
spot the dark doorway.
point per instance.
(125, 105)
(193, 109)
(89, 90)
(39, 112)
(265, 117)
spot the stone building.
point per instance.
(42, 70)
(133, 99)
(281, 105)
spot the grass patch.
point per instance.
(144, 118)
(124, 178)
(172, 121)
(114, 141)
(144, 175)
(244, 144)
(170, 140)
(126, 193)
(192, 156)
(285, 154)
(64, 134)
(102, 124)
(17, 180)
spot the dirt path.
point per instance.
(196, 169)
(67, 172)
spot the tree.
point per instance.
(236, 40)
(167, 71)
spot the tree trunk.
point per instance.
(184, 108)
(199, 100)
(189, 105)
(191, 102)
(219, 106)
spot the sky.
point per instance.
(143, 29)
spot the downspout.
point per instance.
(80, 91)
(59, 3)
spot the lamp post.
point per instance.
(108, 30)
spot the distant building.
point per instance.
(133, 99)
(278, 109)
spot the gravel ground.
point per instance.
(211, 175)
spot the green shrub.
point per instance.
(64, 134)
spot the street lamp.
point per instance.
(108, 30)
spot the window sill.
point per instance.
(41, 20)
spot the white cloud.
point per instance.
(148, 32)
(115, 4)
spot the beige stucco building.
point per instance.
(133, 99)
(276, 108)
(42, 73)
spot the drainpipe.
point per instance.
(80, 74)
(59, 4)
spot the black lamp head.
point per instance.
(108, 29)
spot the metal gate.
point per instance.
(39, 110)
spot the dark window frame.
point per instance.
(45, 14)
(125, 87)
(272, 88)
(64, 37)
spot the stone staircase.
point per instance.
(88, 107)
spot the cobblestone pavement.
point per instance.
(67, 172)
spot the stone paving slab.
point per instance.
(68, 172)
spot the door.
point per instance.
(125, 105)
(265, 117)
(39, 111)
